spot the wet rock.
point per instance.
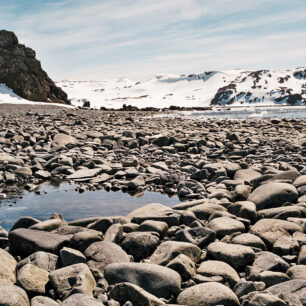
(72, 279)
(24, 222)
(208, 294)
(42, 174)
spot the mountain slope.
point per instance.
(235, 87)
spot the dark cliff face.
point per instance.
(22, 72)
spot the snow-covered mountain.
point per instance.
(213, 88)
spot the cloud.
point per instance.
(140, 38)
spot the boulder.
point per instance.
(123, 292)
(154, 226)
(273, 195)
(244, 209)
(168, 250)
(71, 256)
(225, 226)
(140, 244)
(80, 299)
(164, 282)
(43, 301)
(7, 267)
(184, 266)
(101, 254)
(33, 279)
(208, 294)
(269, 230)
(267, 261)
(238, 256)
(302, 256)
(11, 295)
(219, 268)
(40, 259)
(72, 279)
(297, 272)
(25, 242)
(249, 240)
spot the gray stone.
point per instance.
(71, 256)
(246, 175)
(244, 209)
(123, 292)
(219, 268)
(11, 295)
(63, 140)
(249, 240)
(25, 242)
(302, 256)
(267, 261)
(154, 226)
(101, 254)
(80, 299)
(208, 294)
(184, 266)
(273, 195)
(164, 282)
(42, 174)
(265, 299)
(7, 267)
(43, 301)
(297, 272)
(84, 174)
(72, 279)
(225, 226)
(48, 225)
(82, 240)
(269, 230)
(238, 256)
(33, 279)
(168, 250)
(24, 222)
(140, 244)
(40, 259)
(271, 278)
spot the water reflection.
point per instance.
(63, 199)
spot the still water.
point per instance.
(72, 205)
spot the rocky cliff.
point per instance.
(22, 72)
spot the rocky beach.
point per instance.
(237, 237)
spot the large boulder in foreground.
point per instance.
(22, 72)
(157, 280)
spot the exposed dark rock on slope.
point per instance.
(22, 72)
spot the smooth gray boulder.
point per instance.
(101, 254)
(297, 272)
(168, 250)
(216, 267)
(7, 267)
(164, 282)
(75, 278)
(225, 226)
(184, 266)
(272, 195)
(24, 222)
(123, 292)
(62, 140)
(302, 256)
(25, 242)
(11, 295)
(250, 240)
(267, 261)
(71, 256)
(154, 226)
(208, 294)
(140, 244)
(244, 209)
(238, 256)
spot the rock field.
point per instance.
(239, 237)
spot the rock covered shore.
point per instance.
(239, 239)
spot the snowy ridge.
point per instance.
(214, 88)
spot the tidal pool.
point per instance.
(72, 205)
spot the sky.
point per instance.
(138, 39)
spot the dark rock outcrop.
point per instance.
(22, 72)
